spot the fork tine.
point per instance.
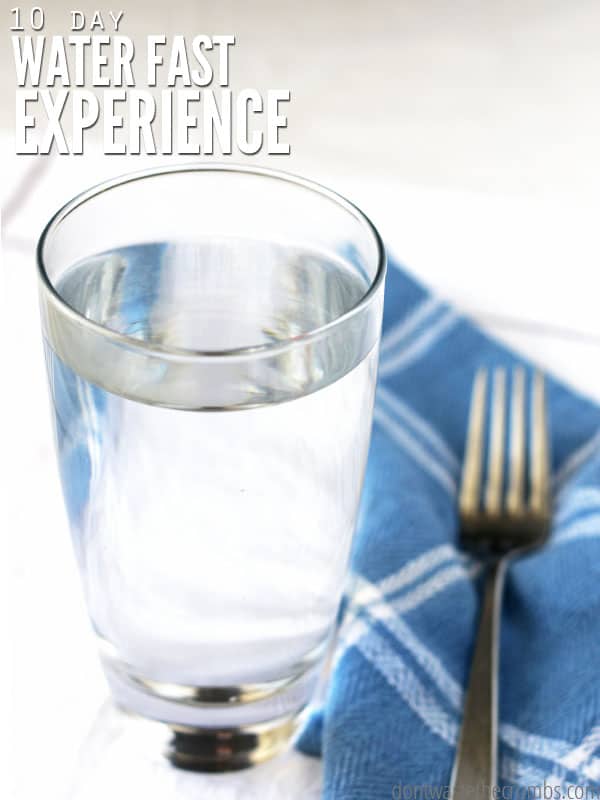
(495, 474)
(539, 470)
(517, 453)
(471, 475)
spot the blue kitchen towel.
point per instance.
(391, 718)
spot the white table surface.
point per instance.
(525, 268)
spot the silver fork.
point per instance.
(500, 523)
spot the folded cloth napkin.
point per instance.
(390, 722)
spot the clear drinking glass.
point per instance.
(211, 338)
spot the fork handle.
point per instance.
(474, 775)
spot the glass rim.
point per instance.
(131, 342)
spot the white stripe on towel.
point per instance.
(419, 346)
(586, 498)
(415, 449)
(418, 424)
(403, 329)
(415, 569)
(400, 677)
(381, 611)
(575, 460)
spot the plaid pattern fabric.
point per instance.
(392, 714)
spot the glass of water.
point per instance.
(211, 337)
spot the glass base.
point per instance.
(225, 749)
(125, 756)
(216, 729)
